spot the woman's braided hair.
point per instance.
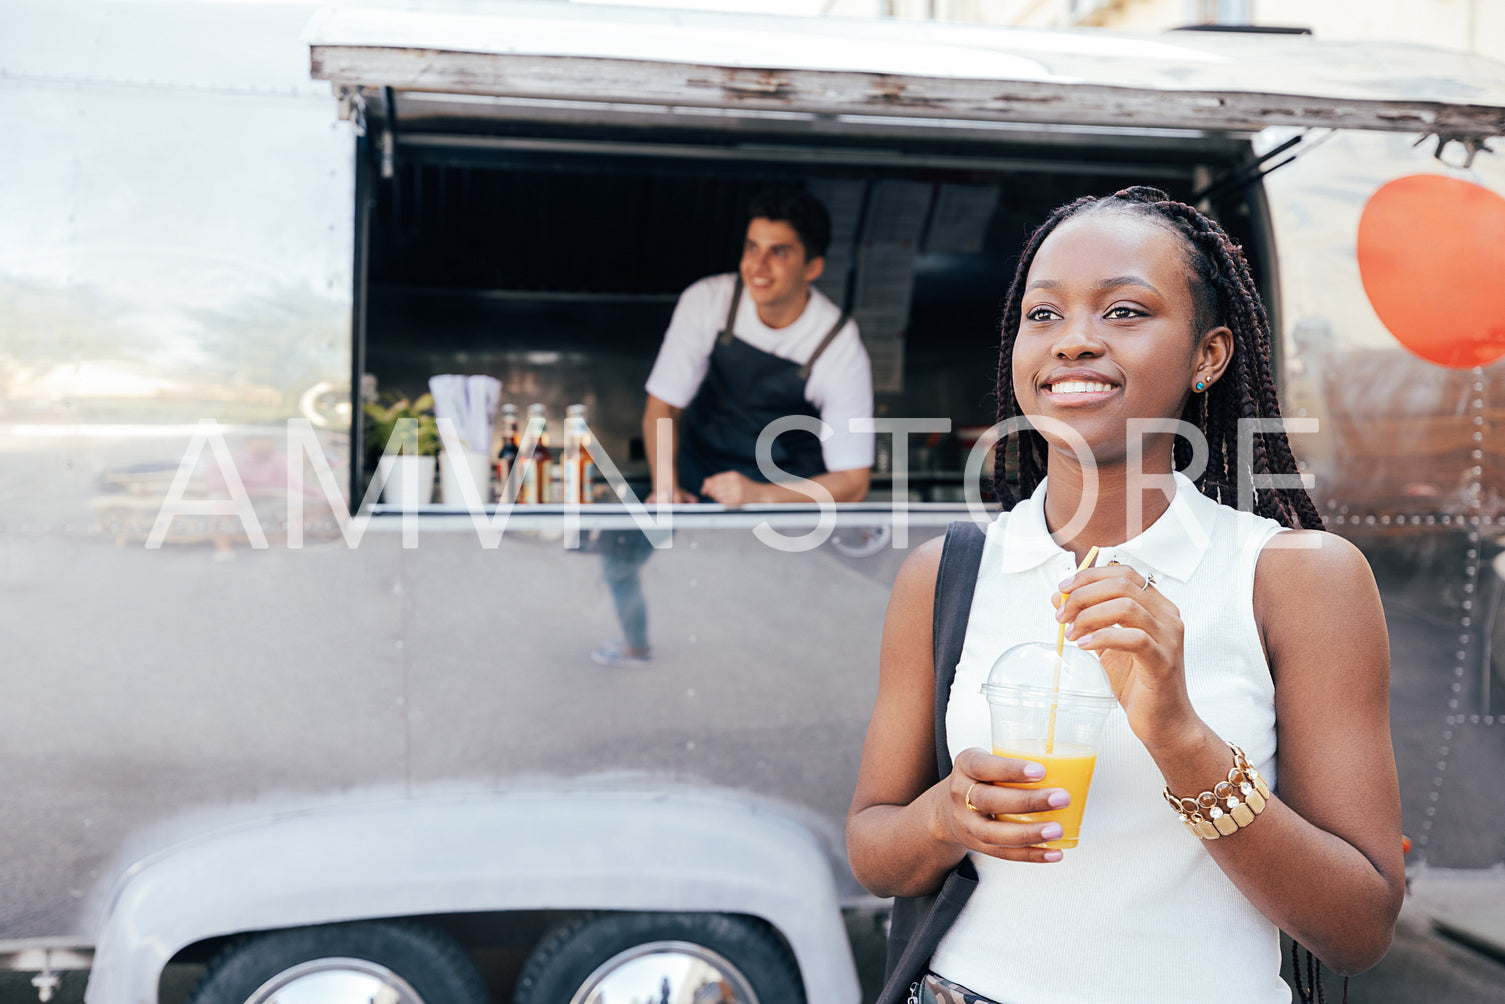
(1223, 293)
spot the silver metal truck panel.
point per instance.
(178, 241)
(1409, 464)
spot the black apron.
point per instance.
(744, 389)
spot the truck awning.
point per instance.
(884, 67)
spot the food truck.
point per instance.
(270, 738)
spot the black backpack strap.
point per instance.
(918, 923)
(955, 582)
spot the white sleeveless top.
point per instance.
(1138, 911)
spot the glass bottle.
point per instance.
(579, 472)
(535, 476)
(508, 455)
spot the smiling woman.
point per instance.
(1203, 289)
(1134, 340)
(1100, 339)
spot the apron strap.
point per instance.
(841, 322)
(731, 312)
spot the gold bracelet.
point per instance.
(1244, 793)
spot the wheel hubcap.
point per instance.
(336, 981)
(666, 970)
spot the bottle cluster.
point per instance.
(540, 475)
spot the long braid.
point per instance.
(1245, 315)
(1224, 294)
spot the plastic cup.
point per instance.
(1059, 728)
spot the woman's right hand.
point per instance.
(979, 776)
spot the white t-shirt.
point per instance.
(841, 381)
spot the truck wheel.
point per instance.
(396, 963)
(646, 956)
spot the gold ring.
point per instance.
(969, 797)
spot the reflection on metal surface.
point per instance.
(326, 405)
(337, 981)
(678, 972)
(1404, 443)
(862, 541)
(184, 285)
(227, 490)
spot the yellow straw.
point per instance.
(1055, 683)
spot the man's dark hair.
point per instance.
(800, 210)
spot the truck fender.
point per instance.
(572, 848)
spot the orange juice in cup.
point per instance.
(1070, 767)
(1050, 709)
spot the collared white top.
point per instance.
(1138, 910)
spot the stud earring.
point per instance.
(1201, 386)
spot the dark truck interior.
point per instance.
(546, 245)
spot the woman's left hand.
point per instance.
(1116, 613)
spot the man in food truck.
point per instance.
(742, 350)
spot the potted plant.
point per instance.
(404, 437)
